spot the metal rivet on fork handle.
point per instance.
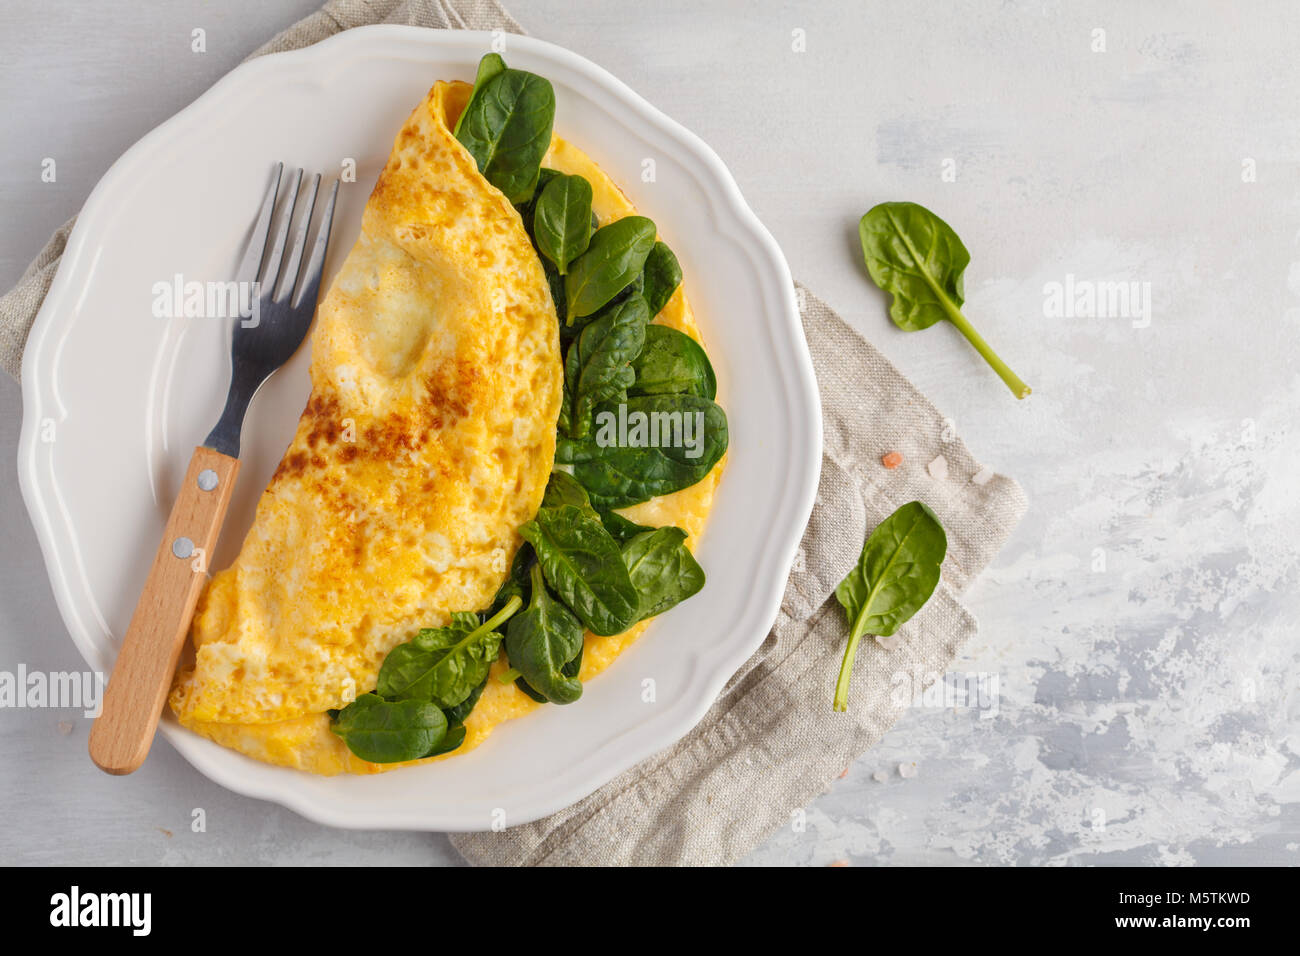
(182, 547)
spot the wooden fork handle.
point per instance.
(142, 676)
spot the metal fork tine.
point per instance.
(289, 274)
(257, 349)
(272, 267)
(248, 266)
(316, 263)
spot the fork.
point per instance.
(137, 689)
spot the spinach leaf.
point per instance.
(583, 564)
(663, 569)
(618, 473)
(458, 713)
(563, 489)
(916, 256)
(516, 582)
(635, 287)
(564, 421)
(506, 127)
(488, 67)
(671, 362)
(452, 739)
(562, 220)
(598, 367)
(443, 665)
(555, 282)
(663, 274)
(621, 529)
(541, 641)
(576, 324)
(574, 667)
(407, 671)
(571, 669)
(528, 208)
(383, 731)
(896, 573)
(529, 692)
(614, 258)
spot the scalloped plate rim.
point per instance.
(730, 212)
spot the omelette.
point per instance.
(428, 438)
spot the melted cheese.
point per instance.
(434, 342)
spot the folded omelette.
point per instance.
(427, 441)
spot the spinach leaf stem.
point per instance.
(1012, 380)
(841, 702)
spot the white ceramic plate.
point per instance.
(115, 399)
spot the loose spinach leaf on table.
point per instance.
(506, 126)
(443, 665)
(383, 731)
(663, 569)
(581, 561)
(895, 575)
(598, 367)
(620, 475)
(541, 641)
(562, 219)
(614, 258)
(672, 362)
(916, 256)
(663, 274)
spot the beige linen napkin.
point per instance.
(770, 743)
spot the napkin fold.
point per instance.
(771, 742)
